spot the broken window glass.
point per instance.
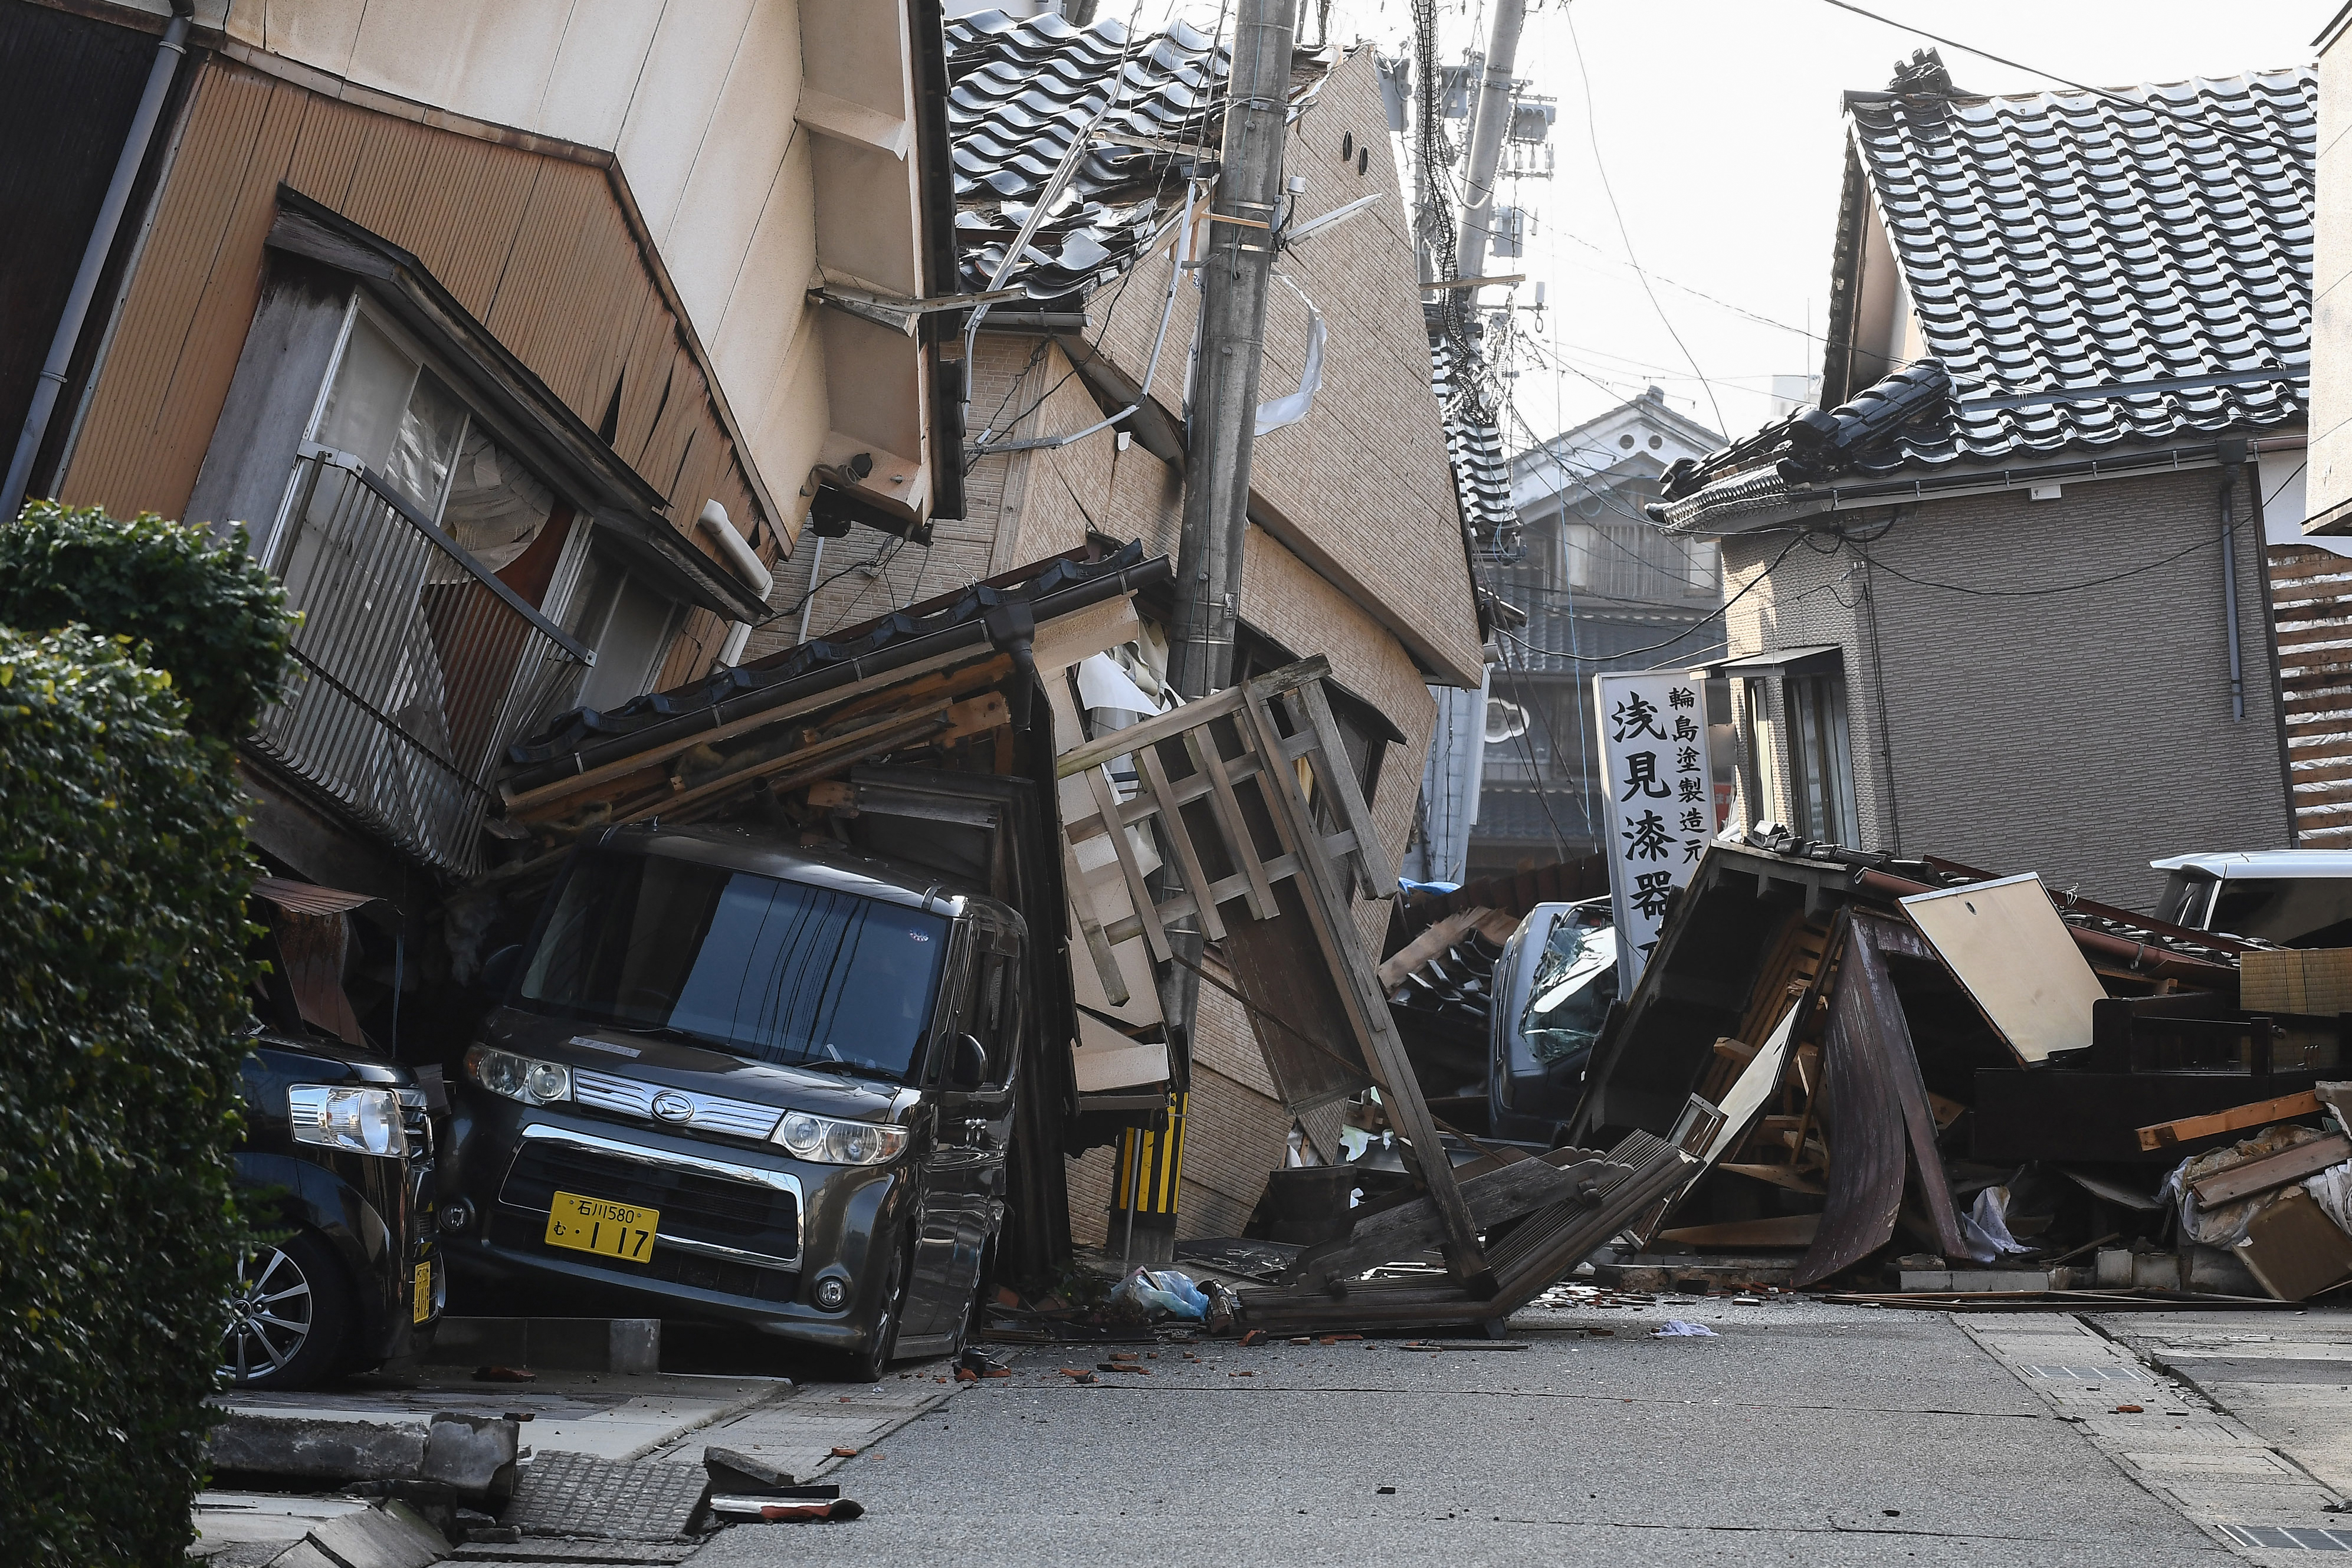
(1574, 983)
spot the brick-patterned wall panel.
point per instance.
(1361, 488)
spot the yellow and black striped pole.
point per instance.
(1150, 1167)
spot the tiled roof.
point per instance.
(1482, 475)
(2067, 240)
(1024, 87)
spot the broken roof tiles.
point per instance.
(1482, 474)
(2060, 241)
(1024, 90)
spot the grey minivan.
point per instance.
(734, 1078)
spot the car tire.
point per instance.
(868, 1364)
(292, 1314)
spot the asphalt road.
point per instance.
(1802, 1433)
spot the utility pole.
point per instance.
(1486, 129)
(1235, 271)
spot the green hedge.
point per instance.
(123, 878)
(205, 610)
(123, 881)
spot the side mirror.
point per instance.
(971, 1067)
(499, 969)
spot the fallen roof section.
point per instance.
(999, 610)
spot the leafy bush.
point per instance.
(123, 877)
(207, 611)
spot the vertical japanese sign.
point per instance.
(1661, 801)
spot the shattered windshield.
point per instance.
(777, 971)
(1575, 981)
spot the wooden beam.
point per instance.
(825, 754)
(2251, 1176)
(2188, 1128)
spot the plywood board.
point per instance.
(2005, 944)
(1755, 1084)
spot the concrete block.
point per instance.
(304, 1553)
(302, 1449)
(2115, 1268)
(473, 1454)
(414, 1525)
(373, 1540)
(566, 1344)
(1925, 1279)
(2216, 1272)
(2000, 1279)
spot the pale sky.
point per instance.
(1718, 124)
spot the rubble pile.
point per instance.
(1916, 1077)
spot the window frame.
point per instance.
(1820, 755)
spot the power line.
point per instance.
(2054, 588)
(1593, 131)
(1714, 614)
(2294, 155)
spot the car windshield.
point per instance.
(1575, 981)
(781, 972)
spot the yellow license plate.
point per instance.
(599, 1225)
(424, 1307)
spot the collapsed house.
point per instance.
(1910, 1072)
(1076, 373)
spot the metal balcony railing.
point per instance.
(413, 667)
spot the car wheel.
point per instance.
(868, 1364)
(291, 1313)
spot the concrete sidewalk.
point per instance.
(1802, 1433)
(613, 1415)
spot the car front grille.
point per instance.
(702, 1113)
(696, 1206)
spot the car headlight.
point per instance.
(832, 1141)
(355, 1120)
(518, 1077)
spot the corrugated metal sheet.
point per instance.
(536, 246)
(307, 898)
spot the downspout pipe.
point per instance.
(141, 134)
(2233, 462)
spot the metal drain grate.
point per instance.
(2289, 1538)
(2088, 1373)
(579, 1494)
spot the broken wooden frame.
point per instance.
(1265, 834)
(1267, 815)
